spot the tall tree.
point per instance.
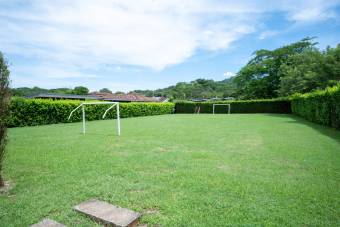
(260, 78)
(302, 73)
(332, 63)
(105, 90)
(310, 70)
(4, 110)
(80, 90)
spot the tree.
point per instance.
(332, 64)
(26, 91)
(310, 70)
(260, 78)
(200, 88)
(61, 91)
(80, 90)
(4, 110)
(105, 90)
(302, 74)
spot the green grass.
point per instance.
(180, 170)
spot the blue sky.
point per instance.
(147, 44)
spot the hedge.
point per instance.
(30, 112)
(249, 106)
(321, 107)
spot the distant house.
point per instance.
(211, 99)
(131, 97)
(198, 100)
(229, 98)
(62, 96)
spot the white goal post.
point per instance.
(220, 104)
(113, 104)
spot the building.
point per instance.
(131, 97)
(63, 97)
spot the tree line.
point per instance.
(299, 67)
(79, 90)
(200, 88)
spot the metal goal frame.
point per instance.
(113, 104)
(222, 104)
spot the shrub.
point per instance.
(29, 112)
(322, 107)
(4, 113)
(249, 106)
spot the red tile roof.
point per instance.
(131, 97)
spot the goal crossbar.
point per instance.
(221, 104)
(113, 104)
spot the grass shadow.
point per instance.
(99, 134)
(323, 129)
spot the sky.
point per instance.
(125, 45)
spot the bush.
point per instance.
(29, 112)
(249, 106)
(4, 110)
(322, 107)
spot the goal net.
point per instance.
(227, 108)
(112, 105)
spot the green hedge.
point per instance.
(322, 107)
(29, 112)
(249, 106)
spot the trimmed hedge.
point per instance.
(30, 112)
(248, 106)
(321, 107)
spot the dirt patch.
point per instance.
(136, 191)
(6, 189)
(224, 167)
(150, 211)
(162, 149)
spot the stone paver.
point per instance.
(108, 213)
(48, 223)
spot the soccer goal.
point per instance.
(220, 104)
(113, 104)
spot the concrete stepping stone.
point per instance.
(48, 223)
(108, 214)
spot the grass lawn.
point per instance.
(179, 170)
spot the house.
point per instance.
(130, 97)
(62, 96)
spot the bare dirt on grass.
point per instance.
(7, 188)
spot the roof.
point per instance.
(63, 96)
(198, 100)
(211, 99)
(160, 99)
(131, 97)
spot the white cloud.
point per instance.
(228, 74)
(152, 34)
(266, 34)
(78, 34)
(312, 10)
